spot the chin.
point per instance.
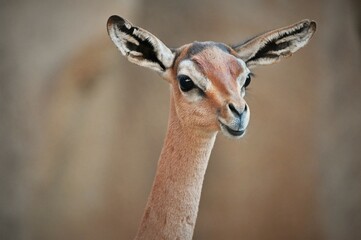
(234, 134)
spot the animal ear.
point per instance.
(138, 45)
(272, 46)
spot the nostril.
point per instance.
(234, 109)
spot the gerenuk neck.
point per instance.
(172, 207)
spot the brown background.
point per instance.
(81, 128)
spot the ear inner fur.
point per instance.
(144, 46)
(138, 45)
(272, 45)
(269, 47)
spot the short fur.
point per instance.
(220, 73)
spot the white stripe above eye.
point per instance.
(190, 69)
(244, 74)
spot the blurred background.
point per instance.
(81, 129)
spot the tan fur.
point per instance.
(172, 207)
(207, 90)
(222, 71)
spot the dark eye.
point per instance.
(186, 84)
(248, 81)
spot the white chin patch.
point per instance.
(231, 133)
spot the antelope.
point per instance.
(208, 83)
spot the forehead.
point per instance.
(198, 47)
(214, 60)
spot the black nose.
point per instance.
(236, 111)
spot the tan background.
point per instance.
(81, 128)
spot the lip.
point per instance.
(235, 133)
(232, 132)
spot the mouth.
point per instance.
(232, 132)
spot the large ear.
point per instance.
(272, 46)
(138, 45)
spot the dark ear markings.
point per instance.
(144, 46)
(265, 51)
(141, 47)
(273, 46)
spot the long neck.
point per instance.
(172, 206)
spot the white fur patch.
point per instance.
(243, 76)
(190, 69)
